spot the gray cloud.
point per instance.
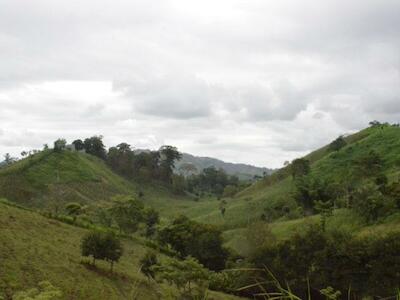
(226, 78)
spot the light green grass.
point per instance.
(34, 248)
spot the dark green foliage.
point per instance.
(59, 145)
(178, 184)
(94, 146)
(300, 167)
(169, 155)
(369, 164)
(121, 159)
(337, 144)
(204, 242)
(79, 145)
(211, 180)
(371, 204)
(100, 245)
(147, 263)
(368, 266)
(151, 219)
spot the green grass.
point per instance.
(34, 248)
(68, 176)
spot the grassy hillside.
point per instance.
(34, 248)
(68, 176)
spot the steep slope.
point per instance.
(277, 189)
(243, 171)
(67, 176)
(34, 248)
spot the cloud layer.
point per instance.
(248, 81)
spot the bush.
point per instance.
(100, 245)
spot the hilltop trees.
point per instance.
(337, 144)
(59, 145)
(121, 159)
(79, 145)
(103, 246)
(94, 146)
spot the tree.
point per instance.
(127, 212)
(59, 145)
(148, 261)
(178, 184)
(8, 159)
(371, 204)
(121, 159)
(300, 167)
(202, 241)
(182, 273)
(79, 145)
(100, 245)
(94, 146)
(168, 156)
(152, 218)
(337, 144)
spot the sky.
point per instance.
(250, 81)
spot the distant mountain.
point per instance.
(243, 171)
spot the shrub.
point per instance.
(100, 245)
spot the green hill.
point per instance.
(34, 248)
(276, 191)
(67, 176)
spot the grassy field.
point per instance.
(34, 248)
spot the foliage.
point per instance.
(369, 202)
(183, 274)
(127, 212)
(45, 291)
(369, 265)
(73, 209)
(100, 245)
(79, 145)
(178, 184)
(147, 262)
(151, 219)
(169, 155)
(337, 144)
(211, 180)
(94, 146)
(204, 242)
(121, 159)
(300, 167)
(59, 145)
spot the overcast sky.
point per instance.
(249, 81)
